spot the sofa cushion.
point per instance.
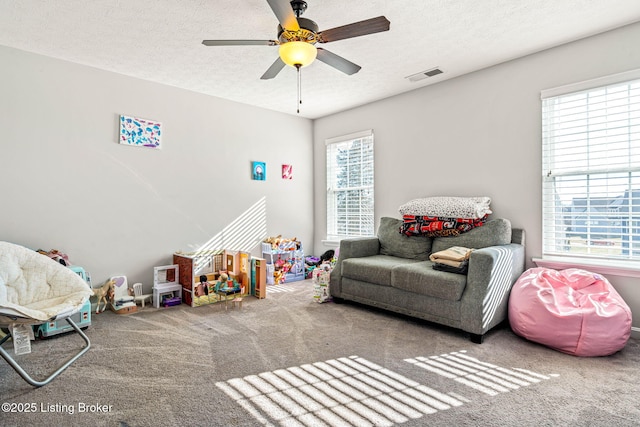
(493, 232)
(393, 243)
(374, 269)
(421, 278)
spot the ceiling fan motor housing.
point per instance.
(307, 32)
(298, 6)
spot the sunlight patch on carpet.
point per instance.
(481, 376)
(349, 391)
(283, 288)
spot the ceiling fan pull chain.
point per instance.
(299, 87)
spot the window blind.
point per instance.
(591, 171)
(350, 189)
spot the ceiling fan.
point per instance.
(298, 36)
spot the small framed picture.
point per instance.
(259, 171)
(287, 171)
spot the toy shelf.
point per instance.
(288, 252)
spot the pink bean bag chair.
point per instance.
(573, 311)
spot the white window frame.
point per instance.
(358, 220)
(598, 127)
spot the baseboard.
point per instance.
(635, 333)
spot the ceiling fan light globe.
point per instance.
(297, 53)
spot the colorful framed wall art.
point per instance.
(140, 132)
(259, 171)
(287, 171)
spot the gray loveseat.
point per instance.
(393, 272)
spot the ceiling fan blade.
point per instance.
(337, 62)
(273, 70)
(284, 12)
(362, 28)
(239, 42)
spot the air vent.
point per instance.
(424, 74)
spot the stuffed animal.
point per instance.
(274, 241)
(277, 241)
(278, 277)
(56, 255)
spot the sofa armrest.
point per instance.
(492, 273)
(517, 236)
(351, 248)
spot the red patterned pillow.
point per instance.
(432, 226)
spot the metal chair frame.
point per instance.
(11, 361)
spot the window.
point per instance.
(591, 169)
(350, 186)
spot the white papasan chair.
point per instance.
(35, 289)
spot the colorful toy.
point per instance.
(168, 301)
(320, 278)
(202, 288)
(226, 286)
(103, 293)
(278, 243)
(278, 277)
(311, 260)
(165, 282)
(193, 265)
(224, 277)
(121, 302)
(82, 318)
(56, 255)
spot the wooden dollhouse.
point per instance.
(193, 266)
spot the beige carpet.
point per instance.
(288, 361)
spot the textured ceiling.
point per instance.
(160, 40)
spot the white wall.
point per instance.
(478, 134)
(67, 184)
